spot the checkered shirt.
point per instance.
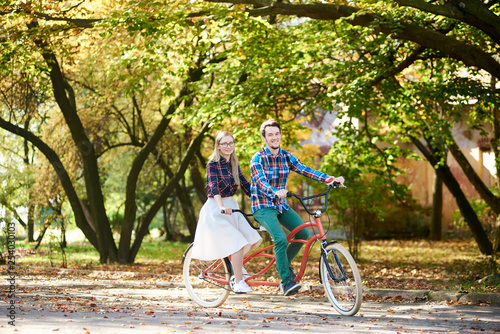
(220, 180)
(270, 173)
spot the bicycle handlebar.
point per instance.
(290, 194)
(301, 199)
(245, 215)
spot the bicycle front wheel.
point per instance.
(341, 279)
(206, 281)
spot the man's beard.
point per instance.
(274, 146)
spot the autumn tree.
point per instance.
(134, 92)
(100, 118)
(409, 66)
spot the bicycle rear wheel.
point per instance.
(341, 279)
(206, 281)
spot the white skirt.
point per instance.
(219, 235)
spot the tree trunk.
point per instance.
(130, 206)
(466, 209)
(436, 228)
(495, 145)
(41, 234)
(497, 234)
(64, 97)
(107, 246)
(165, 219)
(130, 198)
(31, 223)
(169, 212)
(198, 182)
(160, 201)
(483, 191)
(187, 209)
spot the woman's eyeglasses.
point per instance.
(230, 144)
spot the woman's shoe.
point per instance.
(242, 287)
(244, 273)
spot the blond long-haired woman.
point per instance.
(225, 234)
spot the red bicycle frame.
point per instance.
(264, 252)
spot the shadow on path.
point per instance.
(86, 305)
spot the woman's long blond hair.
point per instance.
(234, 159)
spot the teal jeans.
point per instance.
(284, 252)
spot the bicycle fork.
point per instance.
(324, 255)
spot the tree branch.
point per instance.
(472, 12)
(468, 54)
(14, 212)
(474, 179)
(63, 176)
(397, 69)
(80, 23)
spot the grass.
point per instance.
(83, 255)
(446, 265)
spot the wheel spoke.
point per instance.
(206, 281)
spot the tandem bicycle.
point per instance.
(209, 282)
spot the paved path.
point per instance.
(86, 305)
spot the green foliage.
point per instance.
(127, 69)
(369, 165)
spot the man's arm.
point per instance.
(298, 167)
(259, 176)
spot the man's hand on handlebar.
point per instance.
(281, 193)
(331, 180)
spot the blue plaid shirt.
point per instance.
(270, 173)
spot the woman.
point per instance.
(218, 234)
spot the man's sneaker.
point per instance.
(292, 275)
(290, 288)
(242, 287)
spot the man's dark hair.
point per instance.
(269, 122)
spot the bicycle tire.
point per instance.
(344, 290)
(200, 280)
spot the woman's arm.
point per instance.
(245, 185)
(218, 200)
(212, 179)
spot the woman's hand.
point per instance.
(226, 210)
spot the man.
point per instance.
(270, 168)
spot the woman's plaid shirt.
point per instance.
(220, 179)
(270, 173)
